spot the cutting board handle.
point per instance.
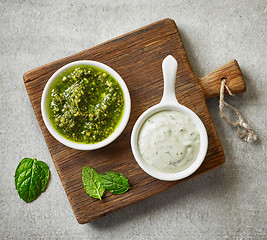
(212, 82)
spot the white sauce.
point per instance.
(169, 141)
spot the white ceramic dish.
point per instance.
(169, 102)
(119, 128)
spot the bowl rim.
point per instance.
(203, 142)
(118, 130)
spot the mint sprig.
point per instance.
(95, 184)
(31, 178)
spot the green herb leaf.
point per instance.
(31, 177)
(43, 171)
(91, 183)
(116, 183)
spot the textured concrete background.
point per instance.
(227, 203)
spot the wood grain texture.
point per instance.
(137, 57)
(212, 82)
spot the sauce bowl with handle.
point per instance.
(169, 103)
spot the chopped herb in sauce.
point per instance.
(85, 104)
(166, 142)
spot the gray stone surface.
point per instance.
(227, 203)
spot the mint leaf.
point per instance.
(31, 177)
(116, 183)
(43, 171)
(91, 183)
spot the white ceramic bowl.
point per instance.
(119, 128)
(169, 102)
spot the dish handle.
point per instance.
(169, 69)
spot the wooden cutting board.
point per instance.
(137, 56)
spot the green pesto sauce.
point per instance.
(85, 104)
